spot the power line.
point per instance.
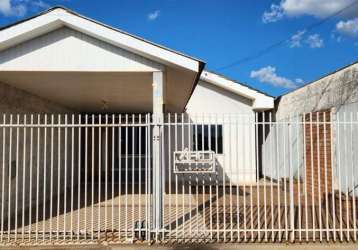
(278, 44)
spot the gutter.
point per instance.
(196, 80)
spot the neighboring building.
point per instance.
(337, 91)
(332, 98)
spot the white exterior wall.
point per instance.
(345, 136)
(68, 50)
(210, 99)
(282, 148)
(336, 92)
(236, 114)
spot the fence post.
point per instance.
(158, 110)
(157, 178)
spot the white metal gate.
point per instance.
(74, 178)
(178, 178)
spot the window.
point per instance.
(208, 137)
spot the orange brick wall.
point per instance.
(318, 153)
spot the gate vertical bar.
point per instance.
(112, 175)
(37, 173)
(23, 181)
(292, 207)
(304, 125)
(72, 174)
(333, 176)
(354, 199)
(79, 172)
(298, 177)
(345, 140)
(51, 173)
(169, 174)
(132, 156)
(140, 175)
(58, 175)
(3, 178)
(17, 173)
(119, 175)
(99, 178)
(92, 179)
(325, 175)
(86, 176)
(106, 178)
(65, 179)
(44, 179)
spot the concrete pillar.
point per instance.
(157, 185)
(158, 93)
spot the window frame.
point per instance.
(213, 127)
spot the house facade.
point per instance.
(108, 138)
(88, 106)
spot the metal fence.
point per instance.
(178, 178)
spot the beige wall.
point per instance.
(14, 101)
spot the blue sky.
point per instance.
(227, 31)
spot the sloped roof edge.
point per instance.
(331, 73)
(59, 16)
(261, 101)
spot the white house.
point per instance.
(60, 63)
(107, 137)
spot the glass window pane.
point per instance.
(203, 140)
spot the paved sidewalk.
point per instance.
(316, 246)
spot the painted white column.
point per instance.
(158, 93)
(158, 110)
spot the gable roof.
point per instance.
(59, 16)
(261, 101)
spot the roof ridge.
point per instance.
(102, 24)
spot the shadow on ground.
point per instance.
(195, 247)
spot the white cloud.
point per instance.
(41, 4)
(316, 8)
(273, 15)
(319, 9)
(9, 8)
(5, 6)
(268, 75)
(349, 28)
(299, 81)
(296, 39)
(19, 8)
(315, 41)
(153, 15)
